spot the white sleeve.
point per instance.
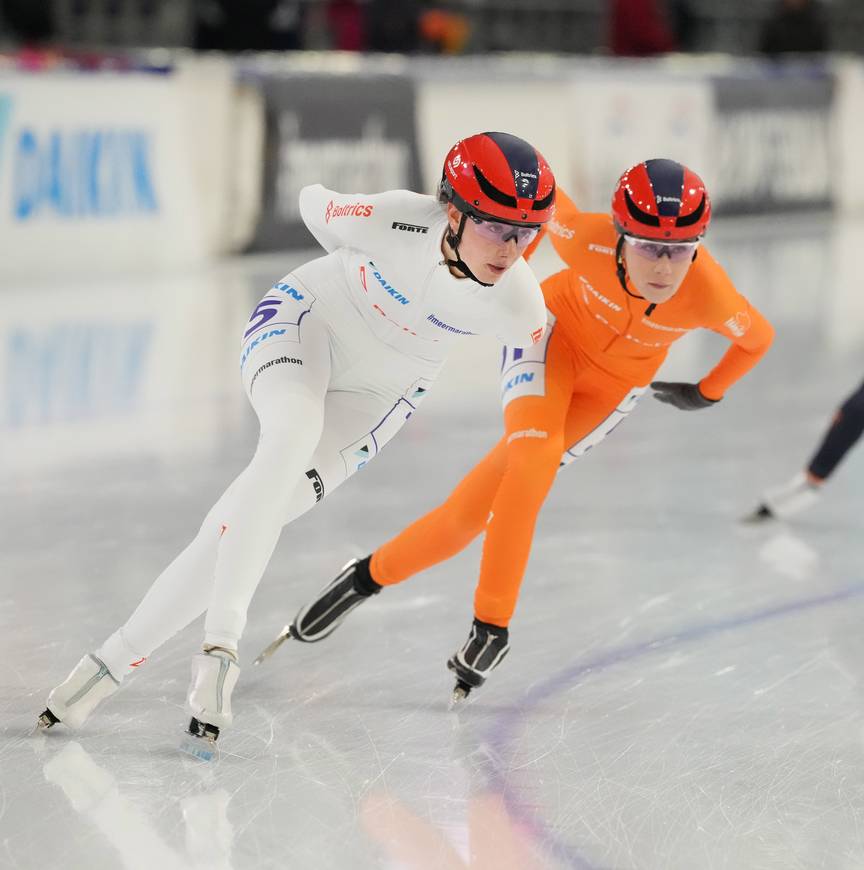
(350, 220)
(523, 321)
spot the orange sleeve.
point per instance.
(563, 229)
(732, 316)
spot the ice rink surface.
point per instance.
(683, 692)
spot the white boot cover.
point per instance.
(214, 675)
(792, 497)
(76, 698)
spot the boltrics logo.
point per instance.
(560, 230)
(352, 209)
(525, 181)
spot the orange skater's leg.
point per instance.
(591, 412)
(537, 394)
(447, 529)
(535, 442)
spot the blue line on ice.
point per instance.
(507, 726)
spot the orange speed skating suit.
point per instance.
(561, 397)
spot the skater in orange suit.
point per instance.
(636, 281)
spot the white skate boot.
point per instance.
(214, 675)
(784, 501)
(76, 698)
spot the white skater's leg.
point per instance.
(287, 384)
(291, 422)
(287, 374)
(177, 597)
(357, 425)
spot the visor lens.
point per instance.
(495, 231)
(651, 250)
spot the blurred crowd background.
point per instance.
(52, 31)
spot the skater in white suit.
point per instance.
(335, 358)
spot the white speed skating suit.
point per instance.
(335, 358)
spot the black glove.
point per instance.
(485, 648)
(686, 397)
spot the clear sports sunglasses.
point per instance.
(653, 250)
(495, 231)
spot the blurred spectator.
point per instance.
(346, 23)
(393, 26)
(640, 28)
(796, 26)
(684, 23)
(287, 25)
(248, 25)
(28, 22)
(444, 32)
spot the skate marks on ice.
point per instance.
(639, 825)
(287, 632)
(622, 772)
(93, 792)
(154, 807)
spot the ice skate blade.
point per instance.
(198, 747)
(46, 720)
(762, 514)
(268, 651)
(199, 740)
(460, 694)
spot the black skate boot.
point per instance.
(484, 650)
(325, 613)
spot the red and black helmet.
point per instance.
(500, 177)
(663, 200)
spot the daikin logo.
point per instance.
(84, 173)
(73, 174)
(5, 115)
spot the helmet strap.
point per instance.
(453, 240)
(620, 269)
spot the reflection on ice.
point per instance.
(790, 555)
(94, 794)
(102, 367)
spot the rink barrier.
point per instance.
(350, 131)
(105, 172)
(110, 172)
(772, 145)
(847, 173)
(765, 137)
